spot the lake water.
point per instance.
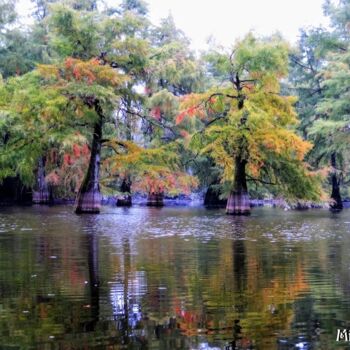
(173, 278)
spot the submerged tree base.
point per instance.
(336, 209)
(238, 204)
(155, 200)
(42, 197)
(88, 203)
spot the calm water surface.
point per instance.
(173, 278)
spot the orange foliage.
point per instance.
(76, 151)
(72, 169)
(191, 112)
(180, 117)
(165, 182)
(53, 178)
(67, 159)
(184, 134)
(69, 62)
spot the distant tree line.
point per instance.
(96, 100)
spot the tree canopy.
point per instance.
(97, 99)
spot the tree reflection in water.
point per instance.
(131, 281)
(94, 281)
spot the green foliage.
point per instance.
(150, 170)
(87, 62)
(247, 118)
(75, 33)
(321, 76)
(7, 13)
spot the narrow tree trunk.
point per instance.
(125, 199)
(238, 201)
(155, 199)
(89, 196)
(42, 193)
(337, 203)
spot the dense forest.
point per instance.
(98, 102)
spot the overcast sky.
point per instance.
(227, 20)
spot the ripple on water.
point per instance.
(178, 278)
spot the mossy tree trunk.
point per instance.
(89, 196)
(337, 203)
(125, 199)
(238, 200)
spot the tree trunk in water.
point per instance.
(89, 196)
(155, 199)
(337, 203)
(42, 193)
(238, 201)
(125, 199)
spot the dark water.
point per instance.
(173, 278)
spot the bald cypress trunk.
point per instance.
(42, 193)
(89, 196)
(337, 203)
(155, 199)
(125, 199)
(238, 201)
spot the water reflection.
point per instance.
(94, 281)
(172, 279)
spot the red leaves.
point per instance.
(82, 71)
(67, 159)
(180, 117)
(95, 62)
(90, 77)
(76, 73)
(191, 112)
(165, 181)
(76, 151)
(156, 113)
(212, 100)
(69, 62)
(85, 149)
(53, 178)
(148, 91)
(184, 134)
